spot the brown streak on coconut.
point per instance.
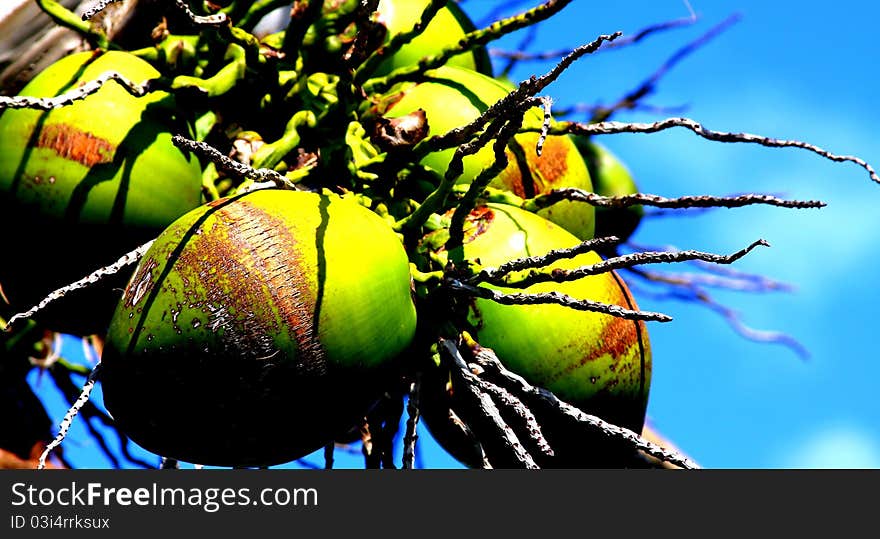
(76, 145)
(551, 168)
(257, 248)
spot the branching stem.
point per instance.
(626, 261)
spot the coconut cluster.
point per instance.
(265, 320)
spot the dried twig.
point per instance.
(644, 199)
(127, 259)
(520, 264)
(469, 201)
(412, 421)
(398, 41)
(520, 54)
(583, 108)
(217, 19)
(97, 8)
(649, 85)
(470, 41)
(610, 128)
(546, 104)
(469, 435)
(526, 89)
(486, 359)
(555, 298)
(268, 177)
(208, 21)
(689, 290)
(328, 455)
(513, 403)
(487, 407)
(626, 261)
(66, 423)
(68, 98)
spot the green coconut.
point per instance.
(257, 328)
(85, 183)
(597, 362)
(611, 178)
(446, 29)
(453, 97)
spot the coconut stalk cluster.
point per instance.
(277, 230)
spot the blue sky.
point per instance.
(800, 70)
(803, 70)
